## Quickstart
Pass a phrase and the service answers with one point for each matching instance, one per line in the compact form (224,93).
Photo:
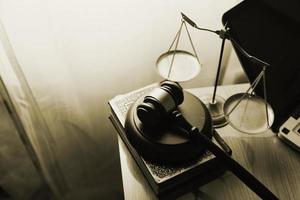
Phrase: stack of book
(165,180)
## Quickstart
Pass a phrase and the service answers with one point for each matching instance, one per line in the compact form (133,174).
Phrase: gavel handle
(246,177)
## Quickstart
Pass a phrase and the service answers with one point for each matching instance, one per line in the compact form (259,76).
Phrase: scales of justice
(238,110)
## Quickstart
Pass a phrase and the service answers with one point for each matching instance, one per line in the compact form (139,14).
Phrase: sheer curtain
(30,125)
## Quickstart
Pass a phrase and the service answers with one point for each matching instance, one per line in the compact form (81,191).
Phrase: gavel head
(159,103)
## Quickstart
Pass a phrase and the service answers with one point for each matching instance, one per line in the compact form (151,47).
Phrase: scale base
(215,110)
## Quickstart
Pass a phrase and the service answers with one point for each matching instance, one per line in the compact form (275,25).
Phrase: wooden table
(273,162)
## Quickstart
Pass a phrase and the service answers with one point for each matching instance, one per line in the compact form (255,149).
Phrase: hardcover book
(165,180)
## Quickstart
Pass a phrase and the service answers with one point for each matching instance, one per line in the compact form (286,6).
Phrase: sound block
(167,142)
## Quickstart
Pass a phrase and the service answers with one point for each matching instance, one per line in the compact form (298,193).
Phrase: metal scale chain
(176,41)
